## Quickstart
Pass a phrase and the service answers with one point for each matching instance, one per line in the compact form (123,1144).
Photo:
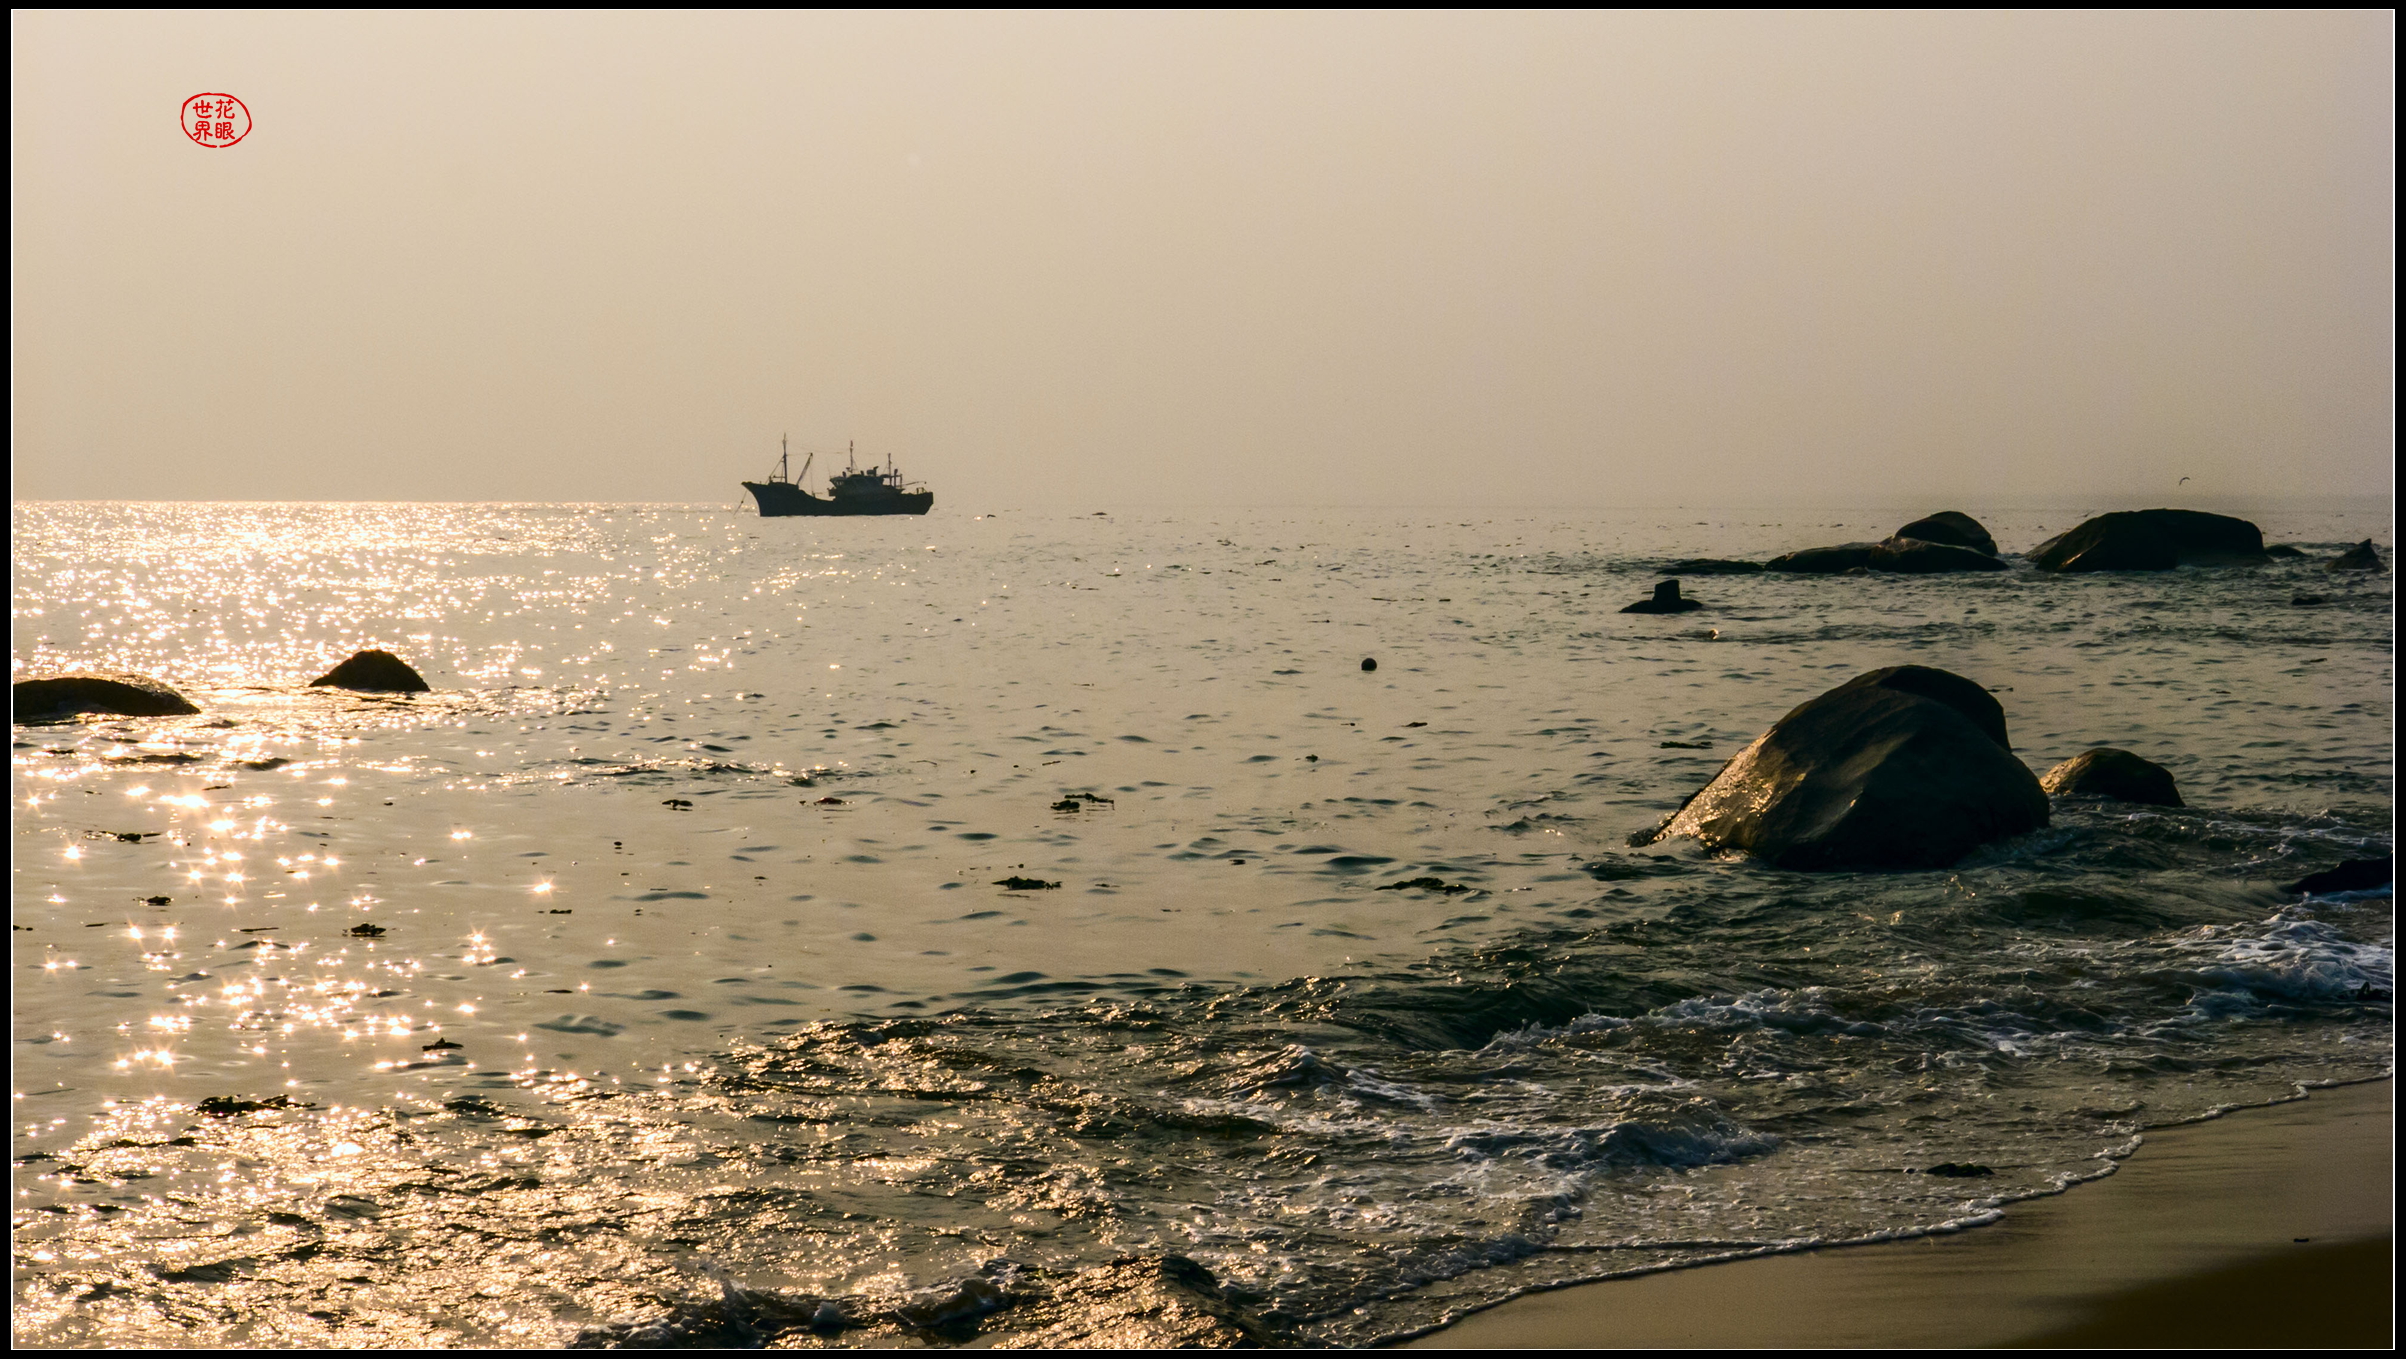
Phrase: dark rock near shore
(127,695)
(1953,528)
(1902,768)
(1711,566)
(2356,875)
(1666,600)
(376,670)
(2152,540)
(2282,550)
(2118,774)
(2362,557)
(1905,556)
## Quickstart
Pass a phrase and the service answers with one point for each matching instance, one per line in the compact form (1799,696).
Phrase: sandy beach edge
(2269,1225)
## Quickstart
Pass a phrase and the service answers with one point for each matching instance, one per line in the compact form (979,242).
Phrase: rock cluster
(1946,541)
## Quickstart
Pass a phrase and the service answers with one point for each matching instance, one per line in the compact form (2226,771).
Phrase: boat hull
(779,499)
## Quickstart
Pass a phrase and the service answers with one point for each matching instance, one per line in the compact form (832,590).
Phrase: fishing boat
(855,490)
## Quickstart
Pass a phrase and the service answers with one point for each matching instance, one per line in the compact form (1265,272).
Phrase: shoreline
(2194,1240)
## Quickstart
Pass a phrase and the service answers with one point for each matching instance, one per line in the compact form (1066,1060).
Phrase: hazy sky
(1208,259)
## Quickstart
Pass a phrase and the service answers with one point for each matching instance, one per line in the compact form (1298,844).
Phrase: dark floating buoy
(1370,663)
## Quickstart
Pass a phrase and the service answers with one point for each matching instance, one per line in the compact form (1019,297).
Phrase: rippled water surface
(666,944)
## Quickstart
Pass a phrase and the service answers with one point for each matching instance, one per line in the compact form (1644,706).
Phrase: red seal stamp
(216,121)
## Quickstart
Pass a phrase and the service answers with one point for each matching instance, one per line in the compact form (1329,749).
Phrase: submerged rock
(1141,1302)
(1711,566)
(2111,773)
(2282,550)
(2356,875)
(1953,528)
(1905,767)
(1920,557)
(375,670)
(1666,600)
(1134,1302)
(1825,561)
(2362,557)
(230,1106)
(127,695)
(2151,540)
(1906,556)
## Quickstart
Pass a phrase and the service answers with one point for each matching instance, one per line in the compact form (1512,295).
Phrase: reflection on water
(674,932)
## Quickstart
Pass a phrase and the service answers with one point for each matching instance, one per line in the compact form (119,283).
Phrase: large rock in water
(2117,774)
(1711,566)
(1905,767)
(1909,556)
(2362,557)
(2151,540)
(1952,527)
(380,670)
(128,695)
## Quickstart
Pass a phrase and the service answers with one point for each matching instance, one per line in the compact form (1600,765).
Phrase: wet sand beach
(2192,1242)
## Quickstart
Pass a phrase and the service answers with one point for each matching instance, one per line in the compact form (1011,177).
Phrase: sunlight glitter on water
(781,906)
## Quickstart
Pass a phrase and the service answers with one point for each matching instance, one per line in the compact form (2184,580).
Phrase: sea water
(672,940)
